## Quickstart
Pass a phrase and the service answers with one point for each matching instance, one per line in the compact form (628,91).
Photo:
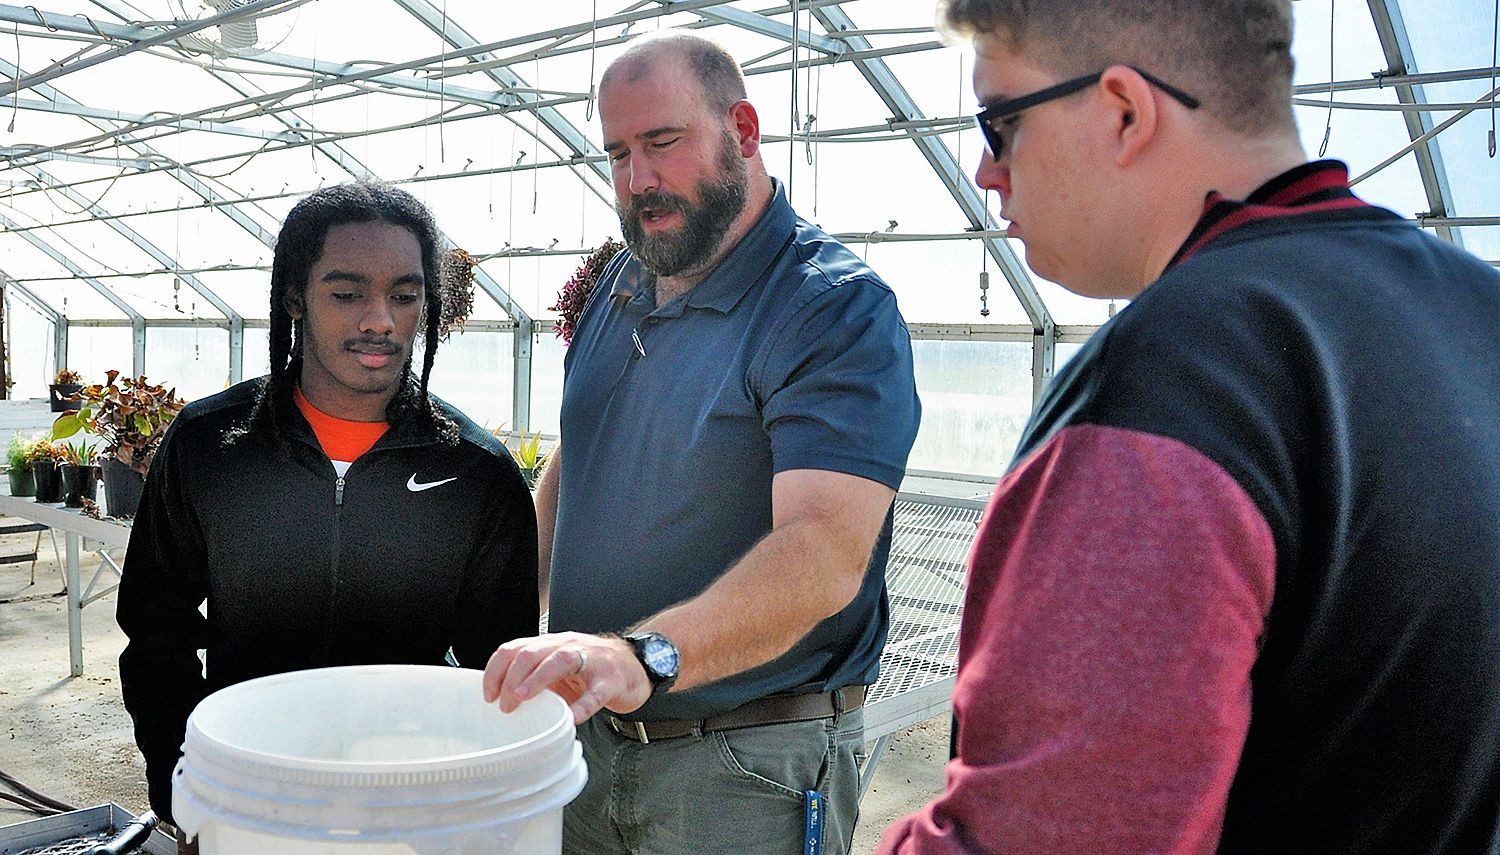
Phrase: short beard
(721,199)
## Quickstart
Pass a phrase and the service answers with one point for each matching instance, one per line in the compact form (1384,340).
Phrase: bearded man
(738,407)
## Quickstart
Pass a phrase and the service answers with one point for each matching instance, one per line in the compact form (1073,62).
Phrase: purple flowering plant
(575,292)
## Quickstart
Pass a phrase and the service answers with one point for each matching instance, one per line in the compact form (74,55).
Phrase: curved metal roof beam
(139,240)
(41,305)
(889,88)
(1391,29)
(454,34)
(67,264)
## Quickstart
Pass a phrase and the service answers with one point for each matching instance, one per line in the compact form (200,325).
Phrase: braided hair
(298,248)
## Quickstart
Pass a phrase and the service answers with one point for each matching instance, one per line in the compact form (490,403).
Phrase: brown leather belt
(773,709)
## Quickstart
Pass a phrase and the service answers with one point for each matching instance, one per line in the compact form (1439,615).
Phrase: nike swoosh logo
(416,486)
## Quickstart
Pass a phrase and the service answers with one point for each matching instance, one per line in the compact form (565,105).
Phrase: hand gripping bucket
(375,760)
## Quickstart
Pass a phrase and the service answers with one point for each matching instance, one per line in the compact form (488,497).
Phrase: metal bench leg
(867,774)
(36,550)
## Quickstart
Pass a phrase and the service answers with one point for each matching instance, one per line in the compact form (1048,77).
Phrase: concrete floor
(70,738)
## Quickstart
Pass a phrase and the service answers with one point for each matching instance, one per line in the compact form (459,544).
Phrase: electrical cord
(33,800)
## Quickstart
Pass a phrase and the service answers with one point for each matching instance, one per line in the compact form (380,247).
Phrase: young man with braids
(1240,590)
(332,513)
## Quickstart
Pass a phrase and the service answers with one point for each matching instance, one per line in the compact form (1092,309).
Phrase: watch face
(661,656)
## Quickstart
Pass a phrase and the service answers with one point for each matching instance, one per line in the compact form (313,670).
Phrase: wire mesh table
(924,581)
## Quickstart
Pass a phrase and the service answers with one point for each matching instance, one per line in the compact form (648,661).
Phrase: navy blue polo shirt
(790,355)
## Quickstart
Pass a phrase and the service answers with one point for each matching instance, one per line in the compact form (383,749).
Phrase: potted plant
(46,457)
(129,417)
(65,384)
(18,466)
(530,458)
(80,473)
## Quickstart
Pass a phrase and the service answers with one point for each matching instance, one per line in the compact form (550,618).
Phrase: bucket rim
(471,764)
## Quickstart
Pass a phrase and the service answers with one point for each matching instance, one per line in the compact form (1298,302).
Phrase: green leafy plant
(528,453)
(15,452)
(81,453)
(129,418)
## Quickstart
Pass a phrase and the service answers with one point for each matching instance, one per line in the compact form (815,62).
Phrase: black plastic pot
(79,483)
(59,393)
(122,488)
(48,481)
(22,483)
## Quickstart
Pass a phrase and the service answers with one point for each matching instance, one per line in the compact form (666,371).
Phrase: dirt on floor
(69,737)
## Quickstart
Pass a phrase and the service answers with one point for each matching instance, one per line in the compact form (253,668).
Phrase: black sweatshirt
(422,546)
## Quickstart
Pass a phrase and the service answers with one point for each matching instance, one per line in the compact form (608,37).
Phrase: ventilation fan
(245,36)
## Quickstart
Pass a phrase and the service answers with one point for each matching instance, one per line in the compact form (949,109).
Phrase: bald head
(685,56)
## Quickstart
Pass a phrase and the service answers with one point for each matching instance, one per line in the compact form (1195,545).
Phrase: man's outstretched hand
(590,672)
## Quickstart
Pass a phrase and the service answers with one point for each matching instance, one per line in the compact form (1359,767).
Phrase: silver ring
(583,660)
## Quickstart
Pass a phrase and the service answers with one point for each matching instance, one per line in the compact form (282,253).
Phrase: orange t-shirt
(342,440)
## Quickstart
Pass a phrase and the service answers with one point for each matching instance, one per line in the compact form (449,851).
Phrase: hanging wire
(588,109)
(1494,55)
(312,107)
(1328,125)
(962,97)
(443,89)
(984,262)
(15,95)
(796,124)
(536,133)
(812,151)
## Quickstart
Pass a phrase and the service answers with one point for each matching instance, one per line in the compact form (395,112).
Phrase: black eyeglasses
(991,118)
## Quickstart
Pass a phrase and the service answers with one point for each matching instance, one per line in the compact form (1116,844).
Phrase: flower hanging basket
(575,292)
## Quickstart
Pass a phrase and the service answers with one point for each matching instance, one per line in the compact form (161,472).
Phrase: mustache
(658,201)
(373,343)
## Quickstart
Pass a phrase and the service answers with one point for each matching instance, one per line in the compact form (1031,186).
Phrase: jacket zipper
(338,491)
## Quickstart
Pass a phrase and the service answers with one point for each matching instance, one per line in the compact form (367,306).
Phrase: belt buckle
(640,732)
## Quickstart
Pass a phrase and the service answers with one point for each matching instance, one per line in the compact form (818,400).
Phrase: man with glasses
(737,410)
(1240,589)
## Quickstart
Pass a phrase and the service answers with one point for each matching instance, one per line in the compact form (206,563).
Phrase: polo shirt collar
(740,270)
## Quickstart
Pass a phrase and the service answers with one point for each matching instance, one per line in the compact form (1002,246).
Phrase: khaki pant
(734,791)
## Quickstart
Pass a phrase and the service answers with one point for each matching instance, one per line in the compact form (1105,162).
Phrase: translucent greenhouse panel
(938,282)
(1473,176)
(478,18)
(547,209)
(1483,241)
(163,296)
(532,281)
(941,81)
(547,355)
(195,360)
(200,237)
(976,399)
(67,296)
(257,353)
(95,351)
(246,291)
(354,30)
(29,347)
(135,83)
(97,249)
(472,371)
(1361,138)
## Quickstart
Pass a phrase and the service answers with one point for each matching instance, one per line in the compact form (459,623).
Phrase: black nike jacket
(422,546)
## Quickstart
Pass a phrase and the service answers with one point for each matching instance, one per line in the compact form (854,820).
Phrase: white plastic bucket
(375,760)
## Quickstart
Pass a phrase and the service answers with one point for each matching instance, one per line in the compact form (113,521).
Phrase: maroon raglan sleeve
(1117,593)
